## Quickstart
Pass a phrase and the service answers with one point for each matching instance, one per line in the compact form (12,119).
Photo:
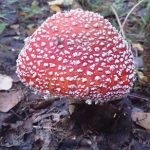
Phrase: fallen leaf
(76,5)
(142,78)
(5,82)
(30,31)
(16,28)
(141,118)
(2,27)
(55,8)
(138,47)
(61,2)
(10,99)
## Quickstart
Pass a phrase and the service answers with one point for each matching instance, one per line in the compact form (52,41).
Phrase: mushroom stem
(72,104)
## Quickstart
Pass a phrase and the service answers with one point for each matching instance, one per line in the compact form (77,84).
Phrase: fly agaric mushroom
(78,54)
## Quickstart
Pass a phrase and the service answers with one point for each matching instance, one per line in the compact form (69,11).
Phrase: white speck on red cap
(79,54)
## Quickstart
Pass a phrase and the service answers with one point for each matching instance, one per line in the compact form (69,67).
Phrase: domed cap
(79,54)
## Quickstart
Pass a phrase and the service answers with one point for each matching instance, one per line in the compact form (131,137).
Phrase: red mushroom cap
(79,54)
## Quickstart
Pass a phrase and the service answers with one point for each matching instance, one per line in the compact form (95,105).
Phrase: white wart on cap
(79,54)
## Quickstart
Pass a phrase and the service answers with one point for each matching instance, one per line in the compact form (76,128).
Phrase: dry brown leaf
(10,99)
(142,78)
(76,5)
(55,8)
(30,29)
(5,82)
(141,118)
(16,28)
(138,47)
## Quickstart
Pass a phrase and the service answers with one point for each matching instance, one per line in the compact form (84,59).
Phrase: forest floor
(32,121)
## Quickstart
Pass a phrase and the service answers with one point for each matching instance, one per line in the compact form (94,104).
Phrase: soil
(41,122)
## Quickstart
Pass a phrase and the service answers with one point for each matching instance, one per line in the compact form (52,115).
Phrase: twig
(139,97)
(118,20)
(132,9)
(20,117)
